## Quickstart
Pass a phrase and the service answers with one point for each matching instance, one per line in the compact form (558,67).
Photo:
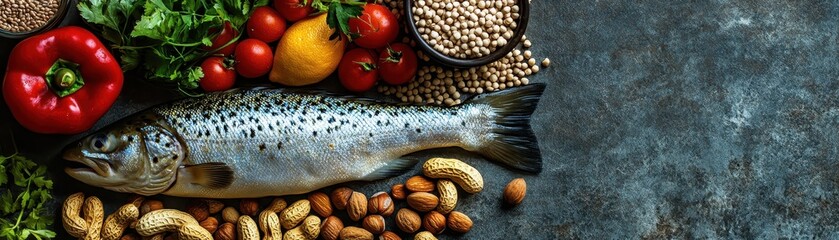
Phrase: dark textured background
(700,119)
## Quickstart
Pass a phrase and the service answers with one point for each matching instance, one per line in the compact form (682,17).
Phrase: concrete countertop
(708,119)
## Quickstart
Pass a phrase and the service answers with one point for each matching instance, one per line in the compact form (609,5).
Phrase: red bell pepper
(61,81)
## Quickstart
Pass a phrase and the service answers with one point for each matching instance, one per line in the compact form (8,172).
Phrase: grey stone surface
(693,119)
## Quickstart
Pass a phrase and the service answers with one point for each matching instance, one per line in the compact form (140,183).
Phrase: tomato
(218,75)
(357,70)
(293,10)
(398,64)
(226,35)
(375,28)
(266,24)
(253,58)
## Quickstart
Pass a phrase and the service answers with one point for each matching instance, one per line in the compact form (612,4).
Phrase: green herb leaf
(339,14)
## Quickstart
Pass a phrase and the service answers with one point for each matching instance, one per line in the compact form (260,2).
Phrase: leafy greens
(165,36)
(22,204)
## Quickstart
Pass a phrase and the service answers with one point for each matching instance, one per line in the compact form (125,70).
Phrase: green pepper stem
(64,78)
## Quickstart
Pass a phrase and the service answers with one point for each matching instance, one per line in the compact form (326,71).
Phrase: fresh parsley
(165,36)
(22,203)
(338,14)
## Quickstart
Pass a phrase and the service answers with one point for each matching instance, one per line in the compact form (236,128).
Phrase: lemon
(305,55)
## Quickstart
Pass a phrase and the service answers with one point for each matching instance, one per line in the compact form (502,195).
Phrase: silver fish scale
(286,143)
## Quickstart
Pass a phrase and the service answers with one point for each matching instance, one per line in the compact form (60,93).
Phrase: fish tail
(514,143)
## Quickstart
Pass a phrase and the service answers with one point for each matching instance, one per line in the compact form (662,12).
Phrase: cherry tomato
(218,74)
(226,34)
(266,24)
(357,70)
(293,10)
(398,64)
(375,28)
(253,58)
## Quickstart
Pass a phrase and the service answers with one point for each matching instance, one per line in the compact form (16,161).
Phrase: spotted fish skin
(250,143)
(288,143)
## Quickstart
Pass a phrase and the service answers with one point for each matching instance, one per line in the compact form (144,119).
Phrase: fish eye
(102,143)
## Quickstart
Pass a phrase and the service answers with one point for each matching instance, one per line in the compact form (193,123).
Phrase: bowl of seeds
(467,33)
(24,18)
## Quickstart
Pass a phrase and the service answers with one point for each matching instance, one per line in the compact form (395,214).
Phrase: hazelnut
(419,184)
(320,204)
(229,214)
(331,227)
(357,206)
(398,191)
(198,209)
(131,236)
(434,222)
(459,222)
(225,231)
(249,207)
(150,205)
(407,220)
(388,235)
(380,203)
(374,223)
(515,191)
(423,201)
(214,206)
(211,224)
(340,197)
(355,233)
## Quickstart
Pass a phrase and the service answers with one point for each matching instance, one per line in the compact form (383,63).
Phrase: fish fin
(212,175)
(514,144)
(393,168)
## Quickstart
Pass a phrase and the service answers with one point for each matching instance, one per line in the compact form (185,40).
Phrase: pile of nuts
(427,214)
(466,29)
(24,16)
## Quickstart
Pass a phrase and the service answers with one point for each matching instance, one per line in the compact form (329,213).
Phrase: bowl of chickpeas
(467,33)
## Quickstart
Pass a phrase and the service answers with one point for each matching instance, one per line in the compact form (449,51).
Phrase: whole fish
(268,142)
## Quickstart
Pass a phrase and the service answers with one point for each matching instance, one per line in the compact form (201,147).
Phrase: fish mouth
(87,169)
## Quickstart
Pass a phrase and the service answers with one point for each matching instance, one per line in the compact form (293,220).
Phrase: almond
(407,220)
(355,233)
(388,235)
(331,227)
(434,222)
(150,205)
(515,191)
(340,197)
(374,223)
(214,206)
(198,209)
(357,206)
(459,222)
(320,204)
(419,184)
(398,191)
(380,203)
(211,224)
(422,201)
(249,207)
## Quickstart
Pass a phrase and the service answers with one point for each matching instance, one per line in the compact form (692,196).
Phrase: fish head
(134,157)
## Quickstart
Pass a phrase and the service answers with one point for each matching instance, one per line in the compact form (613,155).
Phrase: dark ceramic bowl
(521,27)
